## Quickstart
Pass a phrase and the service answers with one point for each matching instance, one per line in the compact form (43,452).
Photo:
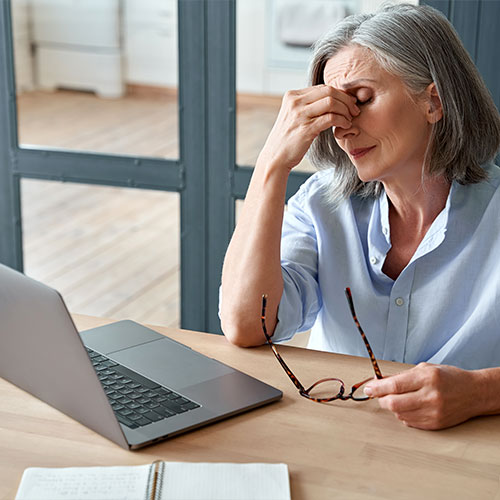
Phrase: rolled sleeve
(301,299)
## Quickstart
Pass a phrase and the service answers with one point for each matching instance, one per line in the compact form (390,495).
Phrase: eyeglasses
(326,389)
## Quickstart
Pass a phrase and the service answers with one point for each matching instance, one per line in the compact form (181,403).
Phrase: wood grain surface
(342,450)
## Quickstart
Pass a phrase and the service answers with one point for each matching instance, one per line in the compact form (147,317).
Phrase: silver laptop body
(42,353)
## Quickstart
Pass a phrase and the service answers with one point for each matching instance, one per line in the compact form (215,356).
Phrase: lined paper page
(225,481)
(84,483)
(179,481)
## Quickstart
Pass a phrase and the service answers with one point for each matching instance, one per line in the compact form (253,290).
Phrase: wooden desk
(342,450)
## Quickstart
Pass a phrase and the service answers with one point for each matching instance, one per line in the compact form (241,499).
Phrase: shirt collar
(379,233)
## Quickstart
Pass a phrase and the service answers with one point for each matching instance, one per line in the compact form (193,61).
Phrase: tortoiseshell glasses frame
(341,393)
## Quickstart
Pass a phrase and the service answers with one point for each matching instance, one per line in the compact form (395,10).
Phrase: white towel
(303,22)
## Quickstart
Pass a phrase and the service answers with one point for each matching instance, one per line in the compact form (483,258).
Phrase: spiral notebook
(158,481)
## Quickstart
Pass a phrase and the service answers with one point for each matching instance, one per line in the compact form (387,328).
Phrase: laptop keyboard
(136,400)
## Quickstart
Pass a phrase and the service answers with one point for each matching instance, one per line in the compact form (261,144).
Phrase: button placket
(397,320)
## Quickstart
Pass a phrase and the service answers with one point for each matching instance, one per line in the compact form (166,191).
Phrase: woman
(408,217)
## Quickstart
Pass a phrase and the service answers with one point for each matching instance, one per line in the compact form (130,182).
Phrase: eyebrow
(356,83)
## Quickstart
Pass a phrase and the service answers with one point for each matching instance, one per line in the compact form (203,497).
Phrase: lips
(359,152)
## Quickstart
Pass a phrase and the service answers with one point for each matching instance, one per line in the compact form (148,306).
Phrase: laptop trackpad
(170,363)
(116,336)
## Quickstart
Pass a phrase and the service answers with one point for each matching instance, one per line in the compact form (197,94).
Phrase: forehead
(352,65)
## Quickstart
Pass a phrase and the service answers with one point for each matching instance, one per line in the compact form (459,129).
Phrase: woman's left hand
(429,396)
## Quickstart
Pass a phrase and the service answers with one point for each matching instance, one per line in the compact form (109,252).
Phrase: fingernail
(357,110)
(368,391)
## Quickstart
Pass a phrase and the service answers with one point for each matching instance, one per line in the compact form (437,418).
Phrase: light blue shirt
(443,308)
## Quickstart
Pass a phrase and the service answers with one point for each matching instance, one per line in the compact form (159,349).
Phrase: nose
(346,133)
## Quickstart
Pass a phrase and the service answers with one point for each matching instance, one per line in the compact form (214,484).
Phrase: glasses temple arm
(289,372)
(376,368)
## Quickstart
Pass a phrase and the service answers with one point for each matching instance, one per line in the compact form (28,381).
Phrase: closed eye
(360,103)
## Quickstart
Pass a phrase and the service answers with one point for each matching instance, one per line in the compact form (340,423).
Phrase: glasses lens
(358,392)
(326,389)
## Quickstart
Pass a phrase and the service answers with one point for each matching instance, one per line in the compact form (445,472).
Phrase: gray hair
(420,46)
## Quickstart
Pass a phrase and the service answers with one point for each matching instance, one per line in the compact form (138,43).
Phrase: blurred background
(102,76)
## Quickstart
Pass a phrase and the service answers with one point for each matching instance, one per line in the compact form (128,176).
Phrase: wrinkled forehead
(350,66)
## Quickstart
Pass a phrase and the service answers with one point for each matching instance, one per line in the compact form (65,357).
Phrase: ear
(434,108)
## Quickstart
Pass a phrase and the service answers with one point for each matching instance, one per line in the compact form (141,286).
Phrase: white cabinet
(78,45)
(81,23)
(150,42)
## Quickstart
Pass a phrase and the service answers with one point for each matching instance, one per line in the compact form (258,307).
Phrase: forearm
(252,263)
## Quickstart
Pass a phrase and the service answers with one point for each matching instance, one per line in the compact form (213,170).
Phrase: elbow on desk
(241,333)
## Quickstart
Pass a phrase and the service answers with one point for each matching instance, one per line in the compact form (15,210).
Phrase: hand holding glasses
(327,389)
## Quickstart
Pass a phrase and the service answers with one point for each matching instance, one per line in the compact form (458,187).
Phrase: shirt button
(373,260)
(399,301)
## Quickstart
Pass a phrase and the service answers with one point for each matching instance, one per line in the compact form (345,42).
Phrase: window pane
(114,253)
(273,54)
(99,75)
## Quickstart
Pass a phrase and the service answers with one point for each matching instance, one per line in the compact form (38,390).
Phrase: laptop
(123,380)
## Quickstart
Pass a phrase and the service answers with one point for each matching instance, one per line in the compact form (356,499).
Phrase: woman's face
(388,139)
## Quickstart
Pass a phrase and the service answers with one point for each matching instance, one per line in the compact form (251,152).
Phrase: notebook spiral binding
(155,480)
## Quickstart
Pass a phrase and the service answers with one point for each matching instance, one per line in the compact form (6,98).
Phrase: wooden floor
(138,124)
(113,252)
